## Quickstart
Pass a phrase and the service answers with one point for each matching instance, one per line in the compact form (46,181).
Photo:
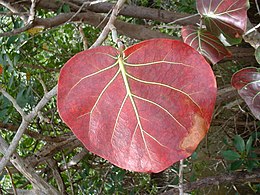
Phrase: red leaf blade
(142,111)
(247,82)
(204,42)
(225,19)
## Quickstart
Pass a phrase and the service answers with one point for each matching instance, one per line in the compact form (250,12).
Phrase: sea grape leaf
(143,109)
(225,19)
(247,82)
(204,42)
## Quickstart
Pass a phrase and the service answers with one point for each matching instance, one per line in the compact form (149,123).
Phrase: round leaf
(247,82)
(225,19)
(204,42)
(143,109)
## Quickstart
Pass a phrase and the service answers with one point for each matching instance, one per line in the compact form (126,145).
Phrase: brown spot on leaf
(196,134)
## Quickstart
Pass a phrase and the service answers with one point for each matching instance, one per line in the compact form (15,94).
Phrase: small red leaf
(247,82)
(204,42)
(225,19)
(143,110)
(1,69)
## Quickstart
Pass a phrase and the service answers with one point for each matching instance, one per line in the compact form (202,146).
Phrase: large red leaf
(142,110)
(204,42)
(225,19)
(247,82)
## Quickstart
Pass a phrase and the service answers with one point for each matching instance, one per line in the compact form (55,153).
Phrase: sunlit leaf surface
(247,82)
(225,19)
(204,42)
(142,110)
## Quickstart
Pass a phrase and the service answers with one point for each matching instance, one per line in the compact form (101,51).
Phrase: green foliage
(242,154)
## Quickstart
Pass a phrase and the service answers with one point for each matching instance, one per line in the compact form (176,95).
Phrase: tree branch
(32,12)
(75,159)
(111,21)
(127,10)
(25,122)
(50,149)
(39,184)
(181,166)
(234,177)
(57,176)
(14,8)
(13,101)
(35,135)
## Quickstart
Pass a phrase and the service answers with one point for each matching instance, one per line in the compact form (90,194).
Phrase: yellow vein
(254,98)
(118,114)
(124,74)
(104,89)
(157,62)
(158,105)
(134,134)
(215,10)
(193,39)
(90,75)
(80,116)
(155,140)
(106,54)
(136,51)
(164,85)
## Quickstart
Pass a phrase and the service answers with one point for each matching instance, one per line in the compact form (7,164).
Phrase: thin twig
(13,14)
(184,18)
(56,174)
(111,20)
(226,178)
(17,31)
(15,104)
(257,7)
(181,177)
(13,9)
(83,36)
(32,12)
(253,29)
(79,10)
(39,184)
(69,175)
(115,38)
(75,160)
(26,119)
(12,180)
(43,84)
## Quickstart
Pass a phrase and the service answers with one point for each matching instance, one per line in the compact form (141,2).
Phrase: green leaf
(66,8)
(194,156)
(249,144)
(230,155)
(250,165)
(239,143)
(236,165)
